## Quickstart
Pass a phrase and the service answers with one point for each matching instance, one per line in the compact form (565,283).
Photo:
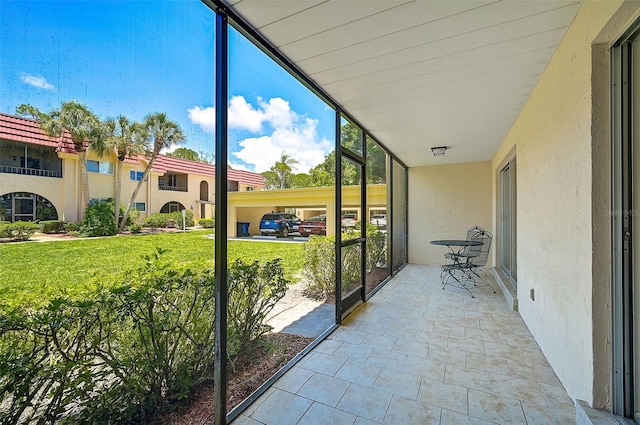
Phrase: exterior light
(439,151)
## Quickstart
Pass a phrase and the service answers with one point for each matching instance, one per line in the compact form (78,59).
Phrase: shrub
(206,222)
(319,267)
(99,220)
(135,228)
(253,292)
(116,354)
(18,231)
(168,220)
(71,226)
(52,226)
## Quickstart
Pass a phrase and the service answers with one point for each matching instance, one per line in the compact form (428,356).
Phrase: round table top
(456,242)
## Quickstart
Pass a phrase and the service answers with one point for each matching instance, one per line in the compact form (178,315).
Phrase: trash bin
(243,228)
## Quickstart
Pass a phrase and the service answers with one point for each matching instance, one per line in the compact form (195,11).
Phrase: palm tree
(125,139)
(84,127)
(159,131)
(283,168)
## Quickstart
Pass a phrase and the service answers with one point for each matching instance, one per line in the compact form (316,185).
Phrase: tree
(283,169)
(158,132)
(125,139)
(84,127)
(271,180)
(186,153)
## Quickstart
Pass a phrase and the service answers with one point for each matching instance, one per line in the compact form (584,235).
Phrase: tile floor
(417,354)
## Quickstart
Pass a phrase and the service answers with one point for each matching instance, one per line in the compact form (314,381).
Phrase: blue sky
(139,57)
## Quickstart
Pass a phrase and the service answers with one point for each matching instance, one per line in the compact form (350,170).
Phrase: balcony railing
(30,171)
(163,186)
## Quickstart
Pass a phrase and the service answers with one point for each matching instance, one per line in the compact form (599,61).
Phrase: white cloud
(37,81)
(290,133)
(205,118)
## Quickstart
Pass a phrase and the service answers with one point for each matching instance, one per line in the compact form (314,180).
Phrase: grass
(34,272)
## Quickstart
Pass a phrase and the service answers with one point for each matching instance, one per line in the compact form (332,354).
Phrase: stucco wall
(445,201)
(553,140)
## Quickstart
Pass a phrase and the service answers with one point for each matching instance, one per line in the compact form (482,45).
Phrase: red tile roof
(26,130)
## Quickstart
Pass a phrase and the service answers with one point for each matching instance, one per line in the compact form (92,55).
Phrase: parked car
(279,223)
(349,221)
(316,225)
(379,220)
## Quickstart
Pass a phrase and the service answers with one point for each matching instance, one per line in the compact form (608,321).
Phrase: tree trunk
(117,190)
(132,201)
(84,182)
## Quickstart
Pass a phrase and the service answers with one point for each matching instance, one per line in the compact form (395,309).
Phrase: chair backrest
(482,258)
(472,234)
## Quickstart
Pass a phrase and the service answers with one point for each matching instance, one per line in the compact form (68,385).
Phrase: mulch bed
(248,372)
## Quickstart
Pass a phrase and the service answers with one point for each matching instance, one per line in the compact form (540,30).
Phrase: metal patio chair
(466,252)
(468,266)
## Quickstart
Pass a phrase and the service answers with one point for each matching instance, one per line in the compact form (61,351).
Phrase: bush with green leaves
(320,259)
(52,226)
(19,230)
(168,220)
(254,290)
(207,223)
(128,347)
(99,220)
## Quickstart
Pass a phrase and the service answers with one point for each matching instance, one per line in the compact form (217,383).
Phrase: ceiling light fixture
(439,151)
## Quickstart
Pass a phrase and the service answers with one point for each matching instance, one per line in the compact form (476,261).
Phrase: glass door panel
(352,219)
(24,208)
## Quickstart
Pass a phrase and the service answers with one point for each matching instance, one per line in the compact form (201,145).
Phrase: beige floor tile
(464,344)
(491,407)
(357,353)
(447,355)
(540,415)
(521,389)
(447,396)
(370,403)
(488,362)
(465,377)
(321,414)
(281,408)
(328,346)
(324,389)
(294,379)
(411,347)
(411,412)
(323,363)
(417,354)
(387,360)
(348,335)
(245,420)
(359,373)
(556,397)
(399,383)
(449,417)
(541,373)
(379,342)
(424,368)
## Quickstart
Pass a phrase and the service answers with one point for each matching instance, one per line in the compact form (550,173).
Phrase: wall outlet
(532,294)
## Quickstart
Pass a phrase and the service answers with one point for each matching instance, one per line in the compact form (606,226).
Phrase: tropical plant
(159,132)
(283,168)
(84,127)
(123,137)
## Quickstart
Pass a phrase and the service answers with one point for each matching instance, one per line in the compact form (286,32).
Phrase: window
(101,167)
(141,206)
(172,180)
(136,175)
(250,189)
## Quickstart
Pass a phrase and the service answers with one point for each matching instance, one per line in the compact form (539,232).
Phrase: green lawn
(40,270)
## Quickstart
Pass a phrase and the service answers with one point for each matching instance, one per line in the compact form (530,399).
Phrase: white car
(379,220)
